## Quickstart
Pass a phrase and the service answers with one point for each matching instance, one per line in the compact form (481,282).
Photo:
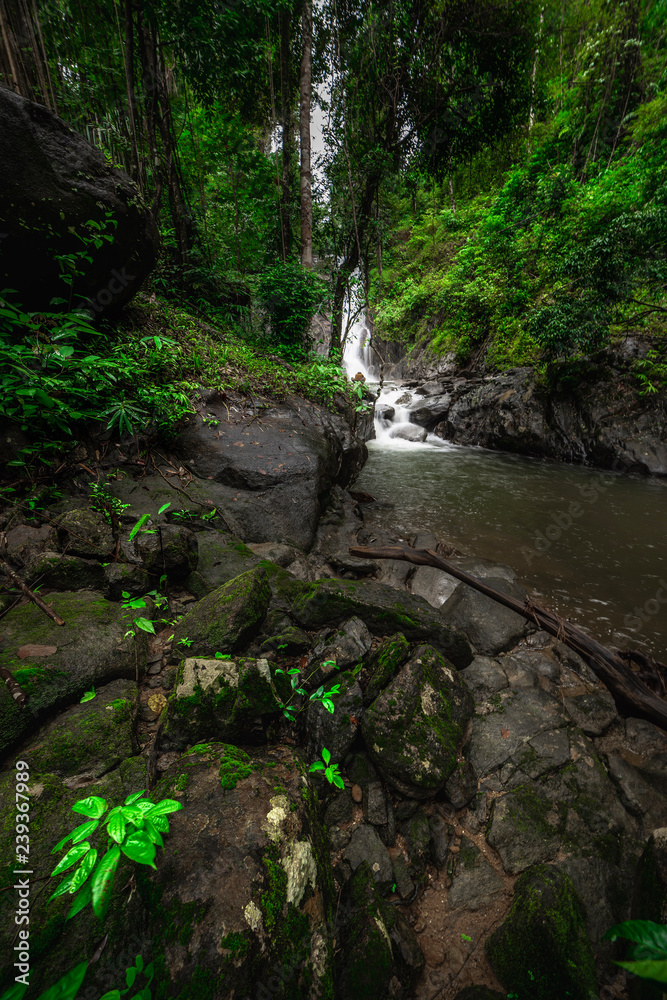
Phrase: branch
(18,582)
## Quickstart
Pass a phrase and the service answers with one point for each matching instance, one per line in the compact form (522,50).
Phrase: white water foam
(397,431)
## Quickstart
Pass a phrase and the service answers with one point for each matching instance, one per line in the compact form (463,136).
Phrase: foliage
(69,985)
(291,295)
(331,771)
(648,955)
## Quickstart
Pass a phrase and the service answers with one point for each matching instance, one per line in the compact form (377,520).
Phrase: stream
(588,543)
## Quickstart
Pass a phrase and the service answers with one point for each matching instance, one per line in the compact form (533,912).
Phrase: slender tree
(285,21)
(304,107)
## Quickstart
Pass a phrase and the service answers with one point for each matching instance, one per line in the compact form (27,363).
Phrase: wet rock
(346,646)
(25,541)
(53,183)
(439,839)
(485,677)
(219,700)
(220,558)
(384,412)
(120,578)
(593,713)
(475,882)
(408,432)
(638,797)
(430,411)
(92,649)
(335,731)
(366,847)
(644,737)
(383,663)
(490,627)
(63,572)
(542,949)
(86,533)
(461,786)
(434,585)
(403,399)
(430,388)
(340,809)
(528,666)
(525,827)
(417,835)
(382,609)
(413,729)
(405,887)
(379,953)
(375,804)
(227,618)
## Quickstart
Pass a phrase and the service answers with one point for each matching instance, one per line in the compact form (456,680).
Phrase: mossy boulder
(382,664)
(92,649)
(414,729)
(221,558)
(89,739)
(64,572)
(125,578)
(85,532)
(243,895)
(542,951)
(57,946)
(229,617)
(383,610)
(220,699)
(377,945)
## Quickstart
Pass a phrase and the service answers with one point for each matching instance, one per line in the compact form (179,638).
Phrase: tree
(304,107)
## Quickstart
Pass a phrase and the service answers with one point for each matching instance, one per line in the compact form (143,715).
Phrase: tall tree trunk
(304,104)
(131,87)
(286,115)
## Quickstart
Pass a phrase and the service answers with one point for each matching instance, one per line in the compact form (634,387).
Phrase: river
(589,544)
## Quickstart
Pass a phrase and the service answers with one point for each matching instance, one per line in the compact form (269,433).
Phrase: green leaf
(138,526)
(88,696)
(93,806)
(338,781)
(317,766)
(154,834)
(103,880)
(77,834)
(644,932)
(145,625)
(647,969)
(84,870)
(80,901)
(14,992)
(116,826)
(130,976)
(161,511)
(139,962)
(164,807)
(67,987)
(112,995)
(329,705)
(139,847)
(134,797)
(160,823)
(71,858)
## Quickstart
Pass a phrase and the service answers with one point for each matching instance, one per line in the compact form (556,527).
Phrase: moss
(528,811)
(181,783)
(236,944)
(235,766)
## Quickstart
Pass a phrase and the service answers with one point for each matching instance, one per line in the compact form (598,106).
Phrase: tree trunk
(305,93)
(285,112)
(131,87)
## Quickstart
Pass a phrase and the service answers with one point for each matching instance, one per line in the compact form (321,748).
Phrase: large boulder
(53,184)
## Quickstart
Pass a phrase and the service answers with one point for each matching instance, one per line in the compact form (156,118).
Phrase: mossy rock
(220,699)
(376,944)
(542,951)
(261,909)
(229,617)
(383,663)
(57,946)
(383,610)
(92,649)
(90,739)
(65,572)
(414,729)
(479,993)
(221,558)
(86,533)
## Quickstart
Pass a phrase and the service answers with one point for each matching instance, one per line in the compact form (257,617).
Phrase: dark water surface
(590,544)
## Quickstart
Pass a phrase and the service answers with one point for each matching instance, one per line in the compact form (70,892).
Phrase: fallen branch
(611,667)
(18,582)
(15,689)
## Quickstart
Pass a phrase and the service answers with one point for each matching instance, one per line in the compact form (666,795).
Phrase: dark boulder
(53,186)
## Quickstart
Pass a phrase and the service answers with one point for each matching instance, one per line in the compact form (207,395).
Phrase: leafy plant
(648,955)
(331,771)
(291,295)
(133,829)
(87,696)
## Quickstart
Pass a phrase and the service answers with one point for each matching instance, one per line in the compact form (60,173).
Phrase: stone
(170,549)
(229,617)
(434,585)
(405,887)
(366,847)
(219,700)
(413,729)
(485,677)
(346,646)
(593,712)
(384,612)
(335,730)
(63,572)
(120,578)
(490,627)
(542,950)
(638,797)
(375,804)
(340,809)
(52,183)
(430,411)
(357,793)
(25,541)
(439,839)
(383,663)
(385,412)
(475,883)
(86,533)
(461,786)
(408,432)
(651,884)
(221,558)
(92,650)
(417,834)
(524,827)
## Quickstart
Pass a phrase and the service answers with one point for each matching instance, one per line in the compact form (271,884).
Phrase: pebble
(357,793)
(155,668)
(147,714)
(434,951)
(454,848)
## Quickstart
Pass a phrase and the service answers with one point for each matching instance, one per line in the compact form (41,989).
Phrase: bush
(291,295)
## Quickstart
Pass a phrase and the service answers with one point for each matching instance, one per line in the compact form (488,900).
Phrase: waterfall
(358,353)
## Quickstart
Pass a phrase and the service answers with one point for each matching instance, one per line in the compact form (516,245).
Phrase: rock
(475,883)
(461,786)
(366,847)
(92,650)
(479,993)
(485,677)
(417,834)
(280,468)
(335,731)
(403,399)
(357,793)
(377,945)
(52,183)
(430,411)
(430,388)
(340,808)
(63,572)
(228,618)
(170,549)
(122,578)
(219,700)
(265,899)
(638,797)
(413,729)
(382,665)
(491,627)
(408,432)
(283,636)
(405,887)
(275,552)
(650,901)
(375,804)
(385,412)
(89,739)
(382,609)
(86,533)
(525,827)
(593,712)
(345,647)
(25,541)
(434,585)
(644,737)
(439,839)
(220,558)
(542,949)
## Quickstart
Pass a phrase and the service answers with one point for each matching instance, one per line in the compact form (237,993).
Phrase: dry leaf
(156,702)
(504,733)
(31,649)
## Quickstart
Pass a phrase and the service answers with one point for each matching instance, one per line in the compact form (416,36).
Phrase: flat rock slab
(222,557)
(491,627)
(383,610)
(474,880)
(92,650)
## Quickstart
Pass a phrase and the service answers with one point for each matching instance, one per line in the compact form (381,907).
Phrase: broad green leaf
(112,995)
(14,992)
(77,834)
(134,797)
(326,756)
(317,766)
(338,781)
(103,880)
(84,870)
(164,507)
(80,901)
(138,526)
(647,969)
(644,932)
(116,827)
(145,625)
(139,847)
(154,834)
(88,696)
(139,962)
(93,806)
(63,887)
(73,855)
(161,823)
(67,987)
(329,705)
(130,976)
(166,806)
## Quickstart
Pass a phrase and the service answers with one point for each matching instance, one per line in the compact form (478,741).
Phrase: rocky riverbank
(497,814)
